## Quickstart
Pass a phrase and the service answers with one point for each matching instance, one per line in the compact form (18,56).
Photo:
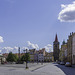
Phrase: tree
(11,57)
(23,58)
(15,57)
(27,58)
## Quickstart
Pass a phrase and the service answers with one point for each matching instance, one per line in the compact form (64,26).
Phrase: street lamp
(26,58)
(37,57)
(19,54)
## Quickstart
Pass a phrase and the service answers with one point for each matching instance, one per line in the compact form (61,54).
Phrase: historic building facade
(71,48)
(32,54)
(2,59)
(41,55)
(56,49)
(48,57)
(63,52)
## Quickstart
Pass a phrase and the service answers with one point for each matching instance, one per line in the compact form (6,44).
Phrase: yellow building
(32,57)
(32,53)
(63,53)
(48,57)
(71,48)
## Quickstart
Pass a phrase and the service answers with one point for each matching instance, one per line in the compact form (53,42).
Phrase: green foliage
(23,58)
(27,57)
(15,57)
(11,57)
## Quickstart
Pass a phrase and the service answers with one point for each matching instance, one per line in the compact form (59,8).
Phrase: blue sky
(33,20)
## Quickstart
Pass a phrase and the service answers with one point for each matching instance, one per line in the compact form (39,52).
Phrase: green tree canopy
(23,58)
(11,57)
(15,57)
(27,57)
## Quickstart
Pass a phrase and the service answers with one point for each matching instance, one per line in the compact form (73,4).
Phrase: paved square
(36,69)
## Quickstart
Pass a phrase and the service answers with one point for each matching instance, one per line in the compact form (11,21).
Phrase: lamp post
(37,58)
(26,61)
(19,54)
(26,58)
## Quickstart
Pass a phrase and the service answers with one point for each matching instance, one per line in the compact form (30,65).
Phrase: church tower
(56,48)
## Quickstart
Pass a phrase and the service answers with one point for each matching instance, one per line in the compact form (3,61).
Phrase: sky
(34,23)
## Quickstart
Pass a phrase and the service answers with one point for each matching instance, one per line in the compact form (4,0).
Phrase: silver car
(68,64)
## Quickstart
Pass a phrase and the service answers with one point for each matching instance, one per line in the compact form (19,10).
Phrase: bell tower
(56,48)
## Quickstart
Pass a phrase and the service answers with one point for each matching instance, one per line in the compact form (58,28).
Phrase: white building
(2,59)
(40,57)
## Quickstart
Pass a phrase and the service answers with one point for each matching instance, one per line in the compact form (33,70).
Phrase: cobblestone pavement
(36,69)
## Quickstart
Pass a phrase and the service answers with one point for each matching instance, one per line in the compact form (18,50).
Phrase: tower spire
(56,38)
(56,49)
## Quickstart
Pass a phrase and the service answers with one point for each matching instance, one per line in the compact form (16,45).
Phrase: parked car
(68,64)
(62,63)
(58,62)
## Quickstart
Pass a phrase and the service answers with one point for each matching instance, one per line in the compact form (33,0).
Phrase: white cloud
(67,14)
(9,49)
(6,49)
(1,39)
(24,48)
(49,45)
(48,48)
(63,6)
(15,50)
(32,46)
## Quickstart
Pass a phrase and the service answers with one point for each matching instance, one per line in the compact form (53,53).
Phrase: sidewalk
(37,66)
